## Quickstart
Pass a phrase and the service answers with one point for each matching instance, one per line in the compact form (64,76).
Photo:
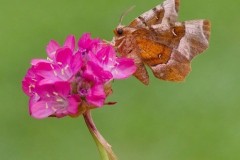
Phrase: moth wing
(196,38)
(194,42)
(154,50)
(163,13)
(177,68)
(141,72)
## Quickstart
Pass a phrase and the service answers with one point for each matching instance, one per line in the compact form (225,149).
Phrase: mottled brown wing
(167,12)
(155,38)
(194,42)
(154,48)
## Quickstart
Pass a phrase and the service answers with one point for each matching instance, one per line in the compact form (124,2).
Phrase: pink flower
(71,78)
(54,100)
(105,56)
(65,67)
(120,68)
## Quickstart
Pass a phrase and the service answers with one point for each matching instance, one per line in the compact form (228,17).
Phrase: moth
(158,40)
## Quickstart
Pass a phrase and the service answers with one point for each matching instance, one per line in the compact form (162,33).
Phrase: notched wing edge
(207,28)
(196,38)
(165,12)
(193,43)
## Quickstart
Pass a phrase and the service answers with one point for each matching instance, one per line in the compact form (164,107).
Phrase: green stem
(104,148)
(101,149)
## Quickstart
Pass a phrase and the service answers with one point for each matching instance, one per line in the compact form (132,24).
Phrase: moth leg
(142,74)
(112,43)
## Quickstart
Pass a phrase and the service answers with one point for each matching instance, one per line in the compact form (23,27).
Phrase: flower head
(71,78)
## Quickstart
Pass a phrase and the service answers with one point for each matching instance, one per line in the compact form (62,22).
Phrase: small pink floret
(54,100)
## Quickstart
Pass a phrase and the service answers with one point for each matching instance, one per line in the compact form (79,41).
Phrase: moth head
(120,30)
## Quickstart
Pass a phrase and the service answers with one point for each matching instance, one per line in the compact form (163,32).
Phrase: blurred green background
(195,120)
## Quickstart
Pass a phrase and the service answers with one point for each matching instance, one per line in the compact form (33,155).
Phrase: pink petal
(40,110)
(96,96)
(36,61)
(73,102)
(96,73)
(107,55)
(70,42)
(28,86)
(33,99)
(53,73)
(93,58)
(71,109)
(48,72)
(76,62)
(52,47)
(64,55)
(45,90)
(125,67)
(84,41)
(62,88)
(29,82)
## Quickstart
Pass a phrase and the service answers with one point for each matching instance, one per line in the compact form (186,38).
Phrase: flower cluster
(73,79)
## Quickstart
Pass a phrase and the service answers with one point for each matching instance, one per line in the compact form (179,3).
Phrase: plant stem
(104,148)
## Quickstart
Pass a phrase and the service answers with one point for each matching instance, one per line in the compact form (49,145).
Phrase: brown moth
(156,39)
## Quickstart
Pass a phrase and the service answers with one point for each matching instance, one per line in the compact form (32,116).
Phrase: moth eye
(119,31)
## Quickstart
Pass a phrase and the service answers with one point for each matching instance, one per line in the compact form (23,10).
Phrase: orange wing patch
(153,53)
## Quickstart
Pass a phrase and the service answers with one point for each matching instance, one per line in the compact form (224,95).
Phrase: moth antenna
(125,13)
